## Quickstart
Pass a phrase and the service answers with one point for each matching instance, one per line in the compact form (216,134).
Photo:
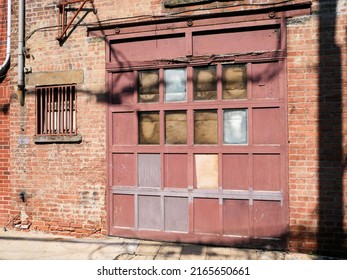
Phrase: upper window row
(234,84)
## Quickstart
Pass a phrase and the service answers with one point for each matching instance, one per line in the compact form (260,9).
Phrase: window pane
(149,128)
(234,82)
(56,110)
(206,168)
(205,127)
(235,126)
(149,86)
(176,127)
(205,83)
(175,84)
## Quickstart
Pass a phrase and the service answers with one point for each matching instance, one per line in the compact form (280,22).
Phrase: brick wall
(317,109)
(65,183)
(5,205)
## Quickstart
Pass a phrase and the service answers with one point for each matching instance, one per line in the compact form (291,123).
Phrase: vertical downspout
(3,67)
(21,86)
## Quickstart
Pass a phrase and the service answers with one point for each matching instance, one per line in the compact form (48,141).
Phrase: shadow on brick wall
(330,237)
(332,161)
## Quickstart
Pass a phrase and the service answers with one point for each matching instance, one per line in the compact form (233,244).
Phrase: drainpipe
(21,86)
(3,67)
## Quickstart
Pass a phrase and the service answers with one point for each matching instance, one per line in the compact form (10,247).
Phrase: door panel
(267,219)
(267,172)
(123,170)
(123,128)
(236,172)
(206,216)
(267,123)
(176,214)
(236,217)
(176,170)
(123,210)
(149,210)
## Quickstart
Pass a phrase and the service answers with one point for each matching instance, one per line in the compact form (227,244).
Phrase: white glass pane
(175,84)
(235,126)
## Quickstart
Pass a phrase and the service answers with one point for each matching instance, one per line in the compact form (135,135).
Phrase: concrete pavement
(18,245)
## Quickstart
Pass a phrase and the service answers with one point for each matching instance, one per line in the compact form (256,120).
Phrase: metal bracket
(63,23)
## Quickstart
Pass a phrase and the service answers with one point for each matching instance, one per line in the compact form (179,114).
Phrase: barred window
(56,110)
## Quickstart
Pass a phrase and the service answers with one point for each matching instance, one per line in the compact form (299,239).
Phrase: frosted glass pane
(175,84)
(235,126)
(149,86)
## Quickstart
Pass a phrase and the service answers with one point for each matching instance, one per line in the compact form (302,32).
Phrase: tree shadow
(330,236)
(332,161)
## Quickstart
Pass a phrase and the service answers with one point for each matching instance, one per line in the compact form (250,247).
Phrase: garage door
(197,147)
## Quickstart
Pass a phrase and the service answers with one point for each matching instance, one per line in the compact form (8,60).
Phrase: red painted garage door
(197,147)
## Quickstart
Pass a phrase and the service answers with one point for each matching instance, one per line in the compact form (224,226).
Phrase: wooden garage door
(197,153)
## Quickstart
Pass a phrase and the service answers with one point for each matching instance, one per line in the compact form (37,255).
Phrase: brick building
(194,121)
(5,200)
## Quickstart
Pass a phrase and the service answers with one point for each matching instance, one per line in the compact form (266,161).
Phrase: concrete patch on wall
(176,3)
(55,78)
(299,20)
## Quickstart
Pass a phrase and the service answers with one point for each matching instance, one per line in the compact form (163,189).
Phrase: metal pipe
(21,86)
(3,67)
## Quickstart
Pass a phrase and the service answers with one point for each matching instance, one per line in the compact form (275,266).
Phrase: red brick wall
(317,114)
(66,183)
(5,205)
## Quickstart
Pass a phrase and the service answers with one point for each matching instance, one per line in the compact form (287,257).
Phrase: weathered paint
(206,167)
(192,181)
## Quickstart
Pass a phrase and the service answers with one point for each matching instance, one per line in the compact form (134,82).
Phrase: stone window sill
(50,139)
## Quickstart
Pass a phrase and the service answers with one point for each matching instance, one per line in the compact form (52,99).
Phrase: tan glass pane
(206,168)
(149,86)
(149,128)
(205,83)
(234,82)
(176,127)
(205,127)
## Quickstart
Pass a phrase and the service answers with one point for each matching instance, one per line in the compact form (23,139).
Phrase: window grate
(56,110)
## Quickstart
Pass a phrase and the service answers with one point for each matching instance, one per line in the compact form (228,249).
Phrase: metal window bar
(56,110)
